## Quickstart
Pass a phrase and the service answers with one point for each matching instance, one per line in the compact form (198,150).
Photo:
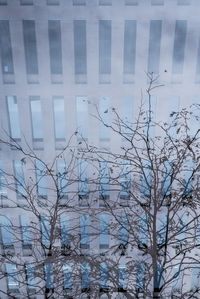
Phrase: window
(12,276)
(157,2)
(104,231)
(127,116)
(67,276)
(105,2)
(173,109)
(59,118)
(104,47)
(158,282)
(140,277)
(84,231)
(25,231)
(146,181)
(79,2)
(62,177)
(82,117)
(195,278)
(177,281)
(19,178)
(30,47)
(3,2)
(36,116)
(3,188)
(188,179)
(48,270)
(6,48)
(26,2)
(131,2)
(45,230)
(41,179)
(162,229)
(104,112)
(80,47)
(154,46)
(143,232)
(30,276)
(52,2)
(179,46)
(183,2)
(55,47)
(104,283)
(125,180)
(167,178)
(123,232)
(83,187)
(182,231)
(6,232)
(104,179)
(13,117)
(151,104)
(85,277)
(122,278)
(65,231)
(129,46)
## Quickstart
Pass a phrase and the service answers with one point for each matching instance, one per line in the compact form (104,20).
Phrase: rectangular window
(167,179)
(104,282)
(85,277)
(122,278)
(45,230)
(6,48)
(59,118)
(177,279)
(140,277)
(80,47)
(173,109)
(25,231)
(79,2)
(127,116)
(26,2)
(13,117)
(82,117)
(48,270)
(67,276)
(162,229)
(41,179)
(65,231)
(182,231)
(105,2)
(104,231)
(83,187)
(157,2)
(195,278)
(158,281)
(62,177)
(19,178)
(30,276)
(6,231)
(12,276)
(36,116)
(104,180)
(183,2)
(104,47)
(188,178)
(104,114)
(30,47)
(84,231)
(3,2)
(154,46)
(146,182)
(125,180)
(143,231)
(123,231)
(3,184)
(55,46)
(131,2)
(129,46)
(179,46)
(53,2)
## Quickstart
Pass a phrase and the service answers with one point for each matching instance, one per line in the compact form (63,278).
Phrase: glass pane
(104,179)
(167,178)
(85,276)
(84,231)
(104,111)
(59,118)
(6,48)
(45,230)
(154,46)
(125,180)
(122,277)
(6,231)
(146,181)
(26,2)
(104,231)
(13,117)
(104,47)
(55,47)
(67,275)
(30,47)
(48,268)
(105,2)
(62,177)
(129,46)
(104,283)
(127,116)
(179,46)
(140,276)
(79,2)
(25,227)
(65,230)
(13,282)
(19,178)
(123,230)
(162,228)
(83,188)
(41,179)
(143,231)
(195,277)
(82,117)
(30,276)
(3,188)
(80,47)
(188,178)
(36,115)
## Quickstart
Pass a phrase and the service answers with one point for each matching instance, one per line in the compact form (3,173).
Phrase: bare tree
(129,227)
